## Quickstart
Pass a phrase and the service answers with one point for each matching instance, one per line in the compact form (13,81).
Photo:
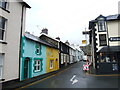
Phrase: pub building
(105,42)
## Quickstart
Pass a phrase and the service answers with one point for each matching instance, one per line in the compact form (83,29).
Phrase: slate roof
(113,17)
(37,39)
(107,18)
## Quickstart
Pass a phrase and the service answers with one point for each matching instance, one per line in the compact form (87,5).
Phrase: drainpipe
(21,38)
(107,34)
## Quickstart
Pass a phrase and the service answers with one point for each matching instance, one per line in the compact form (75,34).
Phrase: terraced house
(12,27)
(105,41)
(52,53)
(33,57)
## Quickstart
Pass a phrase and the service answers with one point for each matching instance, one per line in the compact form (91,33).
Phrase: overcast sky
(66,18)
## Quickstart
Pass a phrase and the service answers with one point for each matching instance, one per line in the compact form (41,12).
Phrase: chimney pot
(45,30)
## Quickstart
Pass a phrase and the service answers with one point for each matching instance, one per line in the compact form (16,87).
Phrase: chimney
(67,43)
(45,30)
(58,38)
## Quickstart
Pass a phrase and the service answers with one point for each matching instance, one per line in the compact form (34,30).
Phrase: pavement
(17,84)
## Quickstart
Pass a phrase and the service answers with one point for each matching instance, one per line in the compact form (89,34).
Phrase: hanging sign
(114,38)
(83,41)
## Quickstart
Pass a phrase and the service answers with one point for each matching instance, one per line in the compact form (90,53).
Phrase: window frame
(3,28)
(101,40)
(1,65)
(51,64)
(38,49)
(4,4)
(101,26)
(36,64)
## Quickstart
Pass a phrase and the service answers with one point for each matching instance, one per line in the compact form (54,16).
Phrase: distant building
(105,42)
(12,27)
(64,54)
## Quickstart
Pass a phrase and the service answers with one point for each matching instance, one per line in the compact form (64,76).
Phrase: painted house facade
(52,53)
(72,54)
(52,59)
(12,27)
(33,57)
(77,54)
(64,54)
(105,41)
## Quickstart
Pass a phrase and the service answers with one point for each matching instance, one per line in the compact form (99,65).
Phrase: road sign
(85,67)
(83,41)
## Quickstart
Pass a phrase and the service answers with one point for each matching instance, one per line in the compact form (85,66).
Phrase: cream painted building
(12,27)
(105,41)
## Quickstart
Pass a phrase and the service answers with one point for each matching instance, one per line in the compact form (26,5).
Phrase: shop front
(108,60)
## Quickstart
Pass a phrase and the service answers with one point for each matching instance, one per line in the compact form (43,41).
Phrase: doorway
(26,68)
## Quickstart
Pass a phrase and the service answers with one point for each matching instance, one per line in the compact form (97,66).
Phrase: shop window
(102,38)
(37,65)
(101,26)
(114,67)
(51,64)
(2,28)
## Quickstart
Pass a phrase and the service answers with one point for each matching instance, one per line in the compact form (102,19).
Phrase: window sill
(5,10)
(102,45)
(2,79)
(37,71)
(102,31)
(3,42)
(51,68)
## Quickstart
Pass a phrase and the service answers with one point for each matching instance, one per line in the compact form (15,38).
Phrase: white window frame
(51,64)
(101,26)
(3,29)
(1,65)
(62,58)
(37,64)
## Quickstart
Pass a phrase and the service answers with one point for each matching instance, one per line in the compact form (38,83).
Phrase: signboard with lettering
(114,38)
(83,41)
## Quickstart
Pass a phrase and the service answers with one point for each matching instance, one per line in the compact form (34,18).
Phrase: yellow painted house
(52,59)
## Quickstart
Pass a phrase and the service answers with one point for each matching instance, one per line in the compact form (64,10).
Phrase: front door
(26,68)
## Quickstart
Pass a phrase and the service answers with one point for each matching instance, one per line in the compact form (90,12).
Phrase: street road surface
(74,77)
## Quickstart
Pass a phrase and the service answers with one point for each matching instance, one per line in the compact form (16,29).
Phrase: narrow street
(73,77)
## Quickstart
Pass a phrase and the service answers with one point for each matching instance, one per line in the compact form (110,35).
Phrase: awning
(110,49)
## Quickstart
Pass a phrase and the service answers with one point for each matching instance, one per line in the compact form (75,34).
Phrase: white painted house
(12,27)
(105,41)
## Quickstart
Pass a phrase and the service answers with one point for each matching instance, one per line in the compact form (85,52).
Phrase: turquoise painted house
(33,57)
